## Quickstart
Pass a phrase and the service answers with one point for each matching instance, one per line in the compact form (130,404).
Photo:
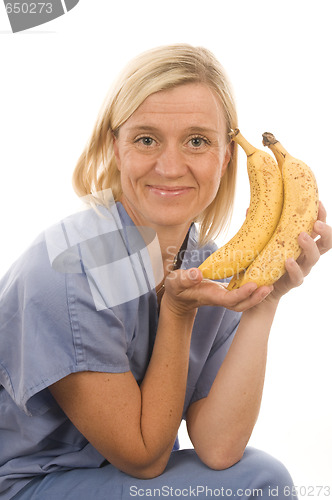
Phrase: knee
(270,474)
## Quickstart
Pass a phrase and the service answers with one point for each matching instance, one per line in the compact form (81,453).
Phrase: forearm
(164,386)
(221,424)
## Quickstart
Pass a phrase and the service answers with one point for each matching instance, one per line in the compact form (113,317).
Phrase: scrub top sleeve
(49,328)
(217,354)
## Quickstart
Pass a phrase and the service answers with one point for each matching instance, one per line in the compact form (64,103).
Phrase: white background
(278,57)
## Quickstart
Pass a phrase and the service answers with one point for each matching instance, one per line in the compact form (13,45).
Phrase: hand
(313,246)
(186,290)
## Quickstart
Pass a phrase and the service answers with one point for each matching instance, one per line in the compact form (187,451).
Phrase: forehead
(193,102)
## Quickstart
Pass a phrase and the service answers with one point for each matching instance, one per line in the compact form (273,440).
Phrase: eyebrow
(143,128)
(192,130)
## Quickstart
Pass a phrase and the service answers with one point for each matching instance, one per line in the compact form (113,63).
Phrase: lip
(169,191)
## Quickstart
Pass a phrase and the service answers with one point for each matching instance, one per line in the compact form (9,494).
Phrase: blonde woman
(109,335)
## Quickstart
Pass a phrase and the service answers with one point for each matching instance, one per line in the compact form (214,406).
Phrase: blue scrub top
(82,298)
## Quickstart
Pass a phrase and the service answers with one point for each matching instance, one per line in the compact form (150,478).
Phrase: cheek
(209,176)
(211,169)
(133,165)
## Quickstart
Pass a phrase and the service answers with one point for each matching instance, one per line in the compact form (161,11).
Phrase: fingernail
(319,225)
(322,206)
(193,274)
(266,293)
(252,287)
(305,236)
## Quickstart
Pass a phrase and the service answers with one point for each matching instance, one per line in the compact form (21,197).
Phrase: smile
(169,191)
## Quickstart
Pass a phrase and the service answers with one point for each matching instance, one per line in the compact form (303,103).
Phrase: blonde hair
(158,69)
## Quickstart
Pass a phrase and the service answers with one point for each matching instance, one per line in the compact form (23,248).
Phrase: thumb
(183,279)
(191,277)
(194,274)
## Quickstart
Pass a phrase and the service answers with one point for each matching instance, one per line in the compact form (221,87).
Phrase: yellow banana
(299,214)
(266,198)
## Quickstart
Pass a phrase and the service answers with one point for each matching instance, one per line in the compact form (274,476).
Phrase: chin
(168,220)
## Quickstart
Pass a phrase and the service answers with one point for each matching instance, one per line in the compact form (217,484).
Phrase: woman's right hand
(186,290)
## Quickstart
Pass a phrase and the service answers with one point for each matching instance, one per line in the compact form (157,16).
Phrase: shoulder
(38,278)
(32,271)
(57,251)
(49,322)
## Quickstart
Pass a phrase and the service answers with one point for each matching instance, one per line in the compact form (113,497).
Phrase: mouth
(169,191)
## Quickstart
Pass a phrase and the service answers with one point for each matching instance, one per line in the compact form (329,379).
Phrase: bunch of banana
(266,200)
(299,213)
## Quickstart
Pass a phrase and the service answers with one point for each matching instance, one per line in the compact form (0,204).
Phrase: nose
(171,162)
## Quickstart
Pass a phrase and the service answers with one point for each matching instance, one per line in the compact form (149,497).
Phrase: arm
(221,424)
(134,427)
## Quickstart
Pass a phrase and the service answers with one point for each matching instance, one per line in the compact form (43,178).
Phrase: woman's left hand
(313,246)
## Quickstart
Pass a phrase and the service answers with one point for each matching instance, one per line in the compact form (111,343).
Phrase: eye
(198,142)
(145,141)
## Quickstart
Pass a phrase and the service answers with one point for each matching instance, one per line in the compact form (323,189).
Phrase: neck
(170,241)
(170,237)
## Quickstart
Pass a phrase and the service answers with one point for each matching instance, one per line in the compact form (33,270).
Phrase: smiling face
(172,153)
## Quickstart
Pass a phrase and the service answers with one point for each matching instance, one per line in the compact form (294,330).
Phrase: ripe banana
(266,200)
(299,214)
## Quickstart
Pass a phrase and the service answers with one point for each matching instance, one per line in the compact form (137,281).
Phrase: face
(171,154)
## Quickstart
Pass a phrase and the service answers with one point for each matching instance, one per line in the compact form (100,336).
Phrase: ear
(227,157)
(116,151)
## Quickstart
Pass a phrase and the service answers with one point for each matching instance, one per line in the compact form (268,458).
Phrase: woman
(109,334)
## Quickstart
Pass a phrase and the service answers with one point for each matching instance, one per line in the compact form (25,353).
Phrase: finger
(254,299)
(310,253)
(233,298)
(295,274)
(214,293)
(324,231)
(322,214)
(247,296)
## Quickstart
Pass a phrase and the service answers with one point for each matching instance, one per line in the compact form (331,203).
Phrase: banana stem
(278,150)
(269,139)
(237,137)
